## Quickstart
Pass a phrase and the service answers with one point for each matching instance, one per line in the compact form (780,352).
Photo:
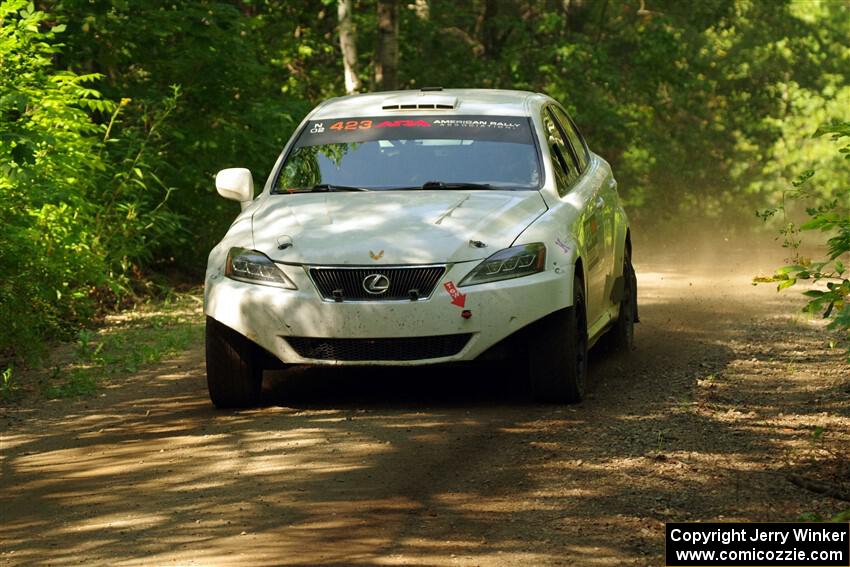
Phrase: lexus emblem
(376,284)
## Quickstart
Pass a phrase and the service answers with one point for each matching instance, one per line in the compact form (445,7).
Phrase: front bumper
(270,316)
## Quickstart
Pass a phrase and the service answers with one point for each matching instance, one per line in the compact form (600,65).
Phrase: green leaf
(786,283)
(817,222)
(788,269)
(803,177)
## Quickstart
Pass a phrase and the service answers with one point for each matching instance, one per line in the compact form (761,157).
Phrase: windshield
(413,152)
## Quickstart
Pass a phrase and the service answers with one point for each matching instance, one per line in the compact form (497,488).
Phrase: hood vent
(417,107)
(424,101)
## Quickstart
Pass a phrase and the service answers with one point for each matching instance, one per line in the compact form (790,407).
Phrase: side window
(575,138)
(567,143)
(565,167)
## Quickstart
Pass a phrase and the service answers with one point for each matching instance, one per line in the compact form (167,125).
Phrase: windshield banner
(514,129)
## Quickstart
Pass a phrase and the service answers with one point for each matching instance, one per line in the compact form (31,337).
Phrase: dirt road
(727,394)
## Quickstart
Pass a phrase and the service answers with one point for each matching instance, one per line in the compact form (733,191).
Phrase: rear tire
(621,336)
(558,354)
(234,372)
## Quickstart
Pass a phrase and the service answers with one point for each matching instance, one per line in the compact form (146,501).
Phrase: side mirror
(235,183)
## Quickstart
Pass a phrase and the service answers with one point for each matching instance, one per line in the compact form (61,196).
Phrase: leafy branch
(832,217)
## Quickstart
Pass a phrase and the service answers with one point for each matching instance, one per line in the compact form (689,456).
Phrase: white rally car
(423,227)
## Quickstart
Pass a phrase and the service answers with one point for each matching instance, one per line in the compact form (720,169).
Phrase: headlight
(509,263)
(255,267)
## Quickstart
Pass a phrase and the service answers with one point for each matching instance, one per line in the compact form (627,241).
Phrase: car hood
(392,228)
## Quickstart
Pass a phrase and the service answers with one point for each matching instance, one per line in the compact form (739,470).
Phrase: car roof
(494,102)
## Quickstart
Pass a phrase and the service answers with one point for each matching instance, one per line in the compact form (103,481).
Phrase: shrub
(79,208)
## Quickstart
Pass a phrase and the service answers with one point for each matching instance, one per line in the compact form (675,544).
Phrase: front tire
(234,372)
(558,354)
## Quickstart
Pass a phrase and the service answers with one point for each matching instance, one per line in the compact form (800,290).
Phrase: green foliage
(7,383)
(142,337)
(840,517)
(831,217)
(232,63)
(48,160)
(80,209)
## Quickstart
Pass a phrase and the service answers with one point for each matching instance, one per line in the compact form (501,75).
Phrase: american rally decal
(364,129)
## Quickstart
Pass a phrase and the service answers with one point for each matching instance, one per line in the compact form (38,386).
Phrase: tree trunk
(386,54)
(348,45)
(575,14)
(491,29)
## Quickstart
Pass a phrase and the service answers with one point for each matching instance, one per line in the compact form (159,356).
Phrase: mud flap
(617,291)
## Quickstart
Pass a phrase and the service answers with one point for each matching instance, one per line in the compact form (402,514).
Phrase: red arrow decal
(458,298)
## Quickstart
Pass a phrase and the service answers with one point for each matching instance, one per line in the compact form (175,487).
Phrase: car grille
(347,284)
(405,348)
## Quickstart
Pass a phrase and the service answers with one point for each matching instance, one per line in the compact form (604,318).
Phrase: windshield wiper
(321,188)
(330,187)
(444,185)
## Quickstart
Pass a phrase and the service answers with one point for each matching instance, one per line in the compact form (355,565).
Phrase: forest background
(116,114)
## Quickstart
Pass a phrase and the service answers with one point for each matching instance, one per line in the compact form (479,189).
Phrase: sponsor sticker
(458,298)
(516,129)
(560,244)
